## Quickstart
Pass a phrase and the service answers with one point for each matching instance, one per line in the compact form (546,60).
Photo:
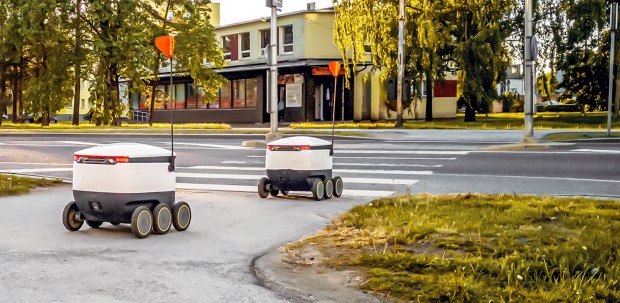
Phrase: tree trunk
(15,96)
(78,65)
(470,111)
(156,55)
(429,95)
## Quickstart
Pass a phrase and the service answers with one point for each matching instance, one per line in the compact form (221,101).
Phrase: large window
(179,96)
(245,45)
(251,91)
(225,95)
(265,40)
(239,93)
(287,39)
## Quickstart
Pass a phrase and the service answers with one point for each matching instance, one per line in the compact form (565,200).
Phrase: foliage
(586,78)
(508,99)
(115,42)
(475,247)
(15,185)
(545,86)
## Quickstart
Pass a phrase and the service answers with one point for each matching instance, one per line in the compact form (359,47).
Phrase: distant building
(305,85)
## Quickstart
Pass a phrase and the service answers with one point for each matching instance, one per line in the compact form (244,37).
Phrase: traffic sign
(166,45)
(334,67)
(274,3)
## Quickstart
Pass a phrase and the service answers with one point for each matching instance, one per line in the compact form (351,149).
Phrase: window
(226,45)
(265,40)
(179,96)
(287,39)
(225,95)
(239,93)
(245,45)
(251,91)
(160,97)
(83,103)
(70,104)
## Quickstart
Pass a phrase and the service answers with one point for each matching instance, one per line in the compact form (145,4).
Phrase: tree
(480,30)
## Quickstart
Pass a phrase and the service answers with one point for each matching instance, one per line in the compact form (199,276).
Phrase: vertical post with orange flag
(334,68)
(166,45)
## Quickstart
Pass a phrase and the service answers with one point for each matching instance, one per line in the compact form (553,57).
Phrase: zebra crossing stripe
(336,171)
(257,177)
(253,189)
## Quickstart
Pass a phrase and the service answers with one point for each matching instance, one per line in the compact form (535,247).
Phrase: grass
(14,185)
(66,126)
(479,248)
(545,120)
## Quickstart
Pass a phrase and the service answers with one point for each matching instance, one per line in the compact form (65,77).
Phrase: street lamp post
(273,70)
(613,20)
(531,52)
(400,62)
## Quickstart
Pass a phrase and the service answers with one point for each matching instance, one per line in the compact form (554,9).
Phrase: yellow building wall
(318,36)
(84,104)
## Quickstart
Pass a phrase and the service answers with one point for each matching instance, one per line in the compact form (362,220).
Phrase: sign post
(273,70)
(166,45)
(334,68)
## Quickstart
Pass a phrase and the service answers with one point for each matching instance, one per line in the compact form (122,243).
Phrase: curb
(525,146)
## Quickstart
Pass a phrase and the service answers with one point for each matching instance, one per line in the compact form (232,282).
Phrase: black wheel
(181,216)
(318,189)
(163,218)
(262,187)
(274,192)
(70,217)
(338,186)
(94,224)
(329,189)
(141,222)
(285,192)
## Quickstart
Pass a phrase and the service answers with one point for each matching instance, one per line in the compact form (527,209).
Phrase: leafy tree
(45,40)
(480,31)
(545,85)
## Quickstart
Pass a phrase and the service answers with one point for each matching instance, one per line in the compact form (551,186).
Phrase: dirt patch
(299,275)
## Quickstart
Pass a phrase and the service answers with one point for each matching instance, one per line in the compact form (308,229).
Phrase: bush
(508,99)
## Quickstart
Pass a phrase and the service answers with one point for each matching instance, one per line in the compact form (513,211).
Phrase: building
(305,85)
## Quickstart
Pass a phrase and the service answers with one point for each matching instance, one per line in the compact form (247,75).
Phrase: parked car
(31,119)
(555,106)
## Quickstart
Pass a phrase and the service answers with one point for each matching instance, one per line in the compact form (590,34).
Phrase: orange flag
(166,45)
(334,67)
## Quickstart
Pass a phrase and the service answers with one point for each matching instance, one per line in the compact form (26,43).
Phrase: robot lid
(303,142)
(129,150)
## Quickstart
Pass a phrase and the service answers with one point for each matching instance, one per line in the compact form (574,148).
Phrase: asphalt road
(211,261)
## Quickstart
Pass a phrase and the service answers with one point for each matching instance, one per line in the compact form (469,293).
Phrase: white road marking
(79,143)
(403,152)
(385,164)
(257,177)
(34,163)
(353,171)
(602,151)
(36,170)
(233,162)
(377,158)
(253,189)
(220,146)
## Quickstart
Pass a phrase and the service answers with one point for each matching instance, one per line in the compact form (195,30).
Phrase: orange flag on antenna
(334,67)
(166,45)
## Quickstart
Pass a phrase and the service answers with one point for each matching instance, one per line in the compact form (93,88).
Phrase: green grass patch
(480,248)
(576,136)
(15,185)
(66,126)
(545,120)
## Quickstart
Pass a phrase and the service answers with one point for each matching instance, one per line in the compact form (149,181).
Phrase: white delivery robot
(126,183)
(300,164)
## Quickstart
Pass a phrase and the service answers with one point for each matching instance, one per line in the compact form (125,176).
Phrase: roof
(264,19)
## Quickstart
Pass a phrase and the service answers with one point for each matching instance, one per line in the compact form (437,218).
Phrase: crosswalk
(366,172)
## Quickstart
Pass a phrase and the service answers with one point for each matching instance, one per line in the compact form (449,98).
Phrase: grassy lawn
(479,248)
(14,185)
(545,120)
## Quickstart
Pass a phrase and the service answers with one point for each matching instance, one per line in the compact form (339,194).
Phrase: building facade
(305,85)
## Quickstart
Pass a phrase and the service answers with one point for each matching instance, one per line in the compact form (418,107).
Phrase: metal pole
(273,76)
(529,75)
(613,23)
(171,167)
(401,69)
(331,152)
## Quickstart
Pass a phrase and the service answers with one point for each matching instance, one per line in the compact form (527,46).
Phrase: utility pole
(613,20)
(273,70)
(531,54)
(401,67)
